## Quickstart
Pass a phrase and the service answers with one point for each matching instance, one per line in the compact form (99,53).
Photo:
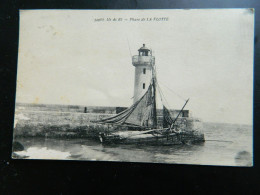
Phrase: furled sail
(138,115)
(167,120)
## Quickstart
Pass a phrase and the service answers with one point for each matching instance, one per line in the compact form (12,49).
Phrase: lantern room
(143,51)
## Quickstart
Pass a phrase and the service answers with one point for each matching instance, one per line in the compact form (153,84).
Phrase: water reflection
(236,152)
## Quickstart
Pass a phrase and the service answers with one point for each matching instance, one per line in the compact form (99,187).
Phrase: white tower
(143,71)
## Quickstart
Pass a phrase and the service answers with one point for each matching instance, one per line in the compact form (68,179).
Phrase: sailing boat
(138,124)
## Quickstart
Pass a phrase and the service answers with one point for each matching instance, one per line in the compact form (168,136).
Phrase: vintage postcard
(156,86)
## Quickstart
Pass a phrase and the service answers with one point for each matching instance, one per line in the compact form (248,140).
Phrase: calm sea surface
(225,145)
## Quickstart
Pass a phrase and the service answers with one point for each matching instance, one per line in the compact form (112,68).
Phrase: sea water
(226,144)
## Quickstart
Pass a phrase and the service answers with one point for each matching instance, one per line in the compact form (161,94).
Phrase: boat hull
(156,139)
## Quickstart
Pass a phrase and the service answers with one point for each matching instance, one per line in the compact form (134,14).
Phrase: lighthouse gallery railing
(143,60)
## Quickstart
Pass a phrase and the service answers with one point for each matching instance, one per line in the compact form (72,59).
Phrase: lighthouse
(143,63)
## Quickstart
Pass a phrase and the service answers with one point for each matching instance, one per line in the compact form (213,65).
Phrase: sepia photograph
(170,86)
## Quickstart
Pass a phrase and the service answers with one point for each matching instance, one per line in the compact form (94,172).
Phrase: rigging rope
(161,93)
(129,48)
(174,92)
(162,96)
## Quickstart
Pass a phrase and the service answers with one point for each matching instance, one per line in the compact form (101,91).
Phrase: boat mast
(154,97)
(179,113)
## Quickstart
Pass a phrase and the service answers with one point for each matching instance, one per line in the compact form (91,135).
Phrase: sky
(77,57)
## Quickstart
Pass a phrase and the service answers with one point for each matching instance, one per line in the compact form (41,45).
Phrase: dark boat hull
(190,137)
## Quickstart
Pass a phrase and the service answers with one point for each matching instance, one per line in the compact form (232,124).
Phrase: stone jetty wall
(61,120)
(56,124)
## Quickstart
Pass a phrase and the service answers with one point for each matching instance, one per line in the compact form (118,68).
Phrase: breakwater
(57,124)
(64,121)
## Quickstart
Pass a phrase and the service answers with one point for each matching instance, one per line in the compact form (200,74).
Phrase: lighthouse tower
(143,63)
